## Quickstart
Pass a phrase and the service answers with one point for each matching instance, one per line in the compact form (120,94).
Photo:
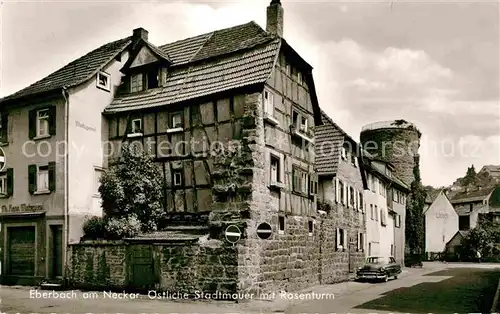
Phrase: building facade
(52,139)
(340,195)
(441,224)
(234,149)
(385,210)
(473,202)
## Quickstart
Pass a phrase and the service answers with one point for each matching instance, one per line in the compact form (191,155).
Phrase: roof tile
(76,72)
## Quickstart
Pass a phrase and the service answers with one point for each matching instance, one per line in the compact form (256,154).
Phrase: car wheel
(396,277)
(386,278)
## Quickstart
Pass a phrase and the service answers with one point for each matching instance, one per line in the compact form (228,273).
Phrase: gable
(145,56)
(441,205)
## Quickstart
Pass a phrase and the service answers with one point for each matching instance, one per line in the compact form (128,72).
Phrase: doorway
(56,251)
(21,249)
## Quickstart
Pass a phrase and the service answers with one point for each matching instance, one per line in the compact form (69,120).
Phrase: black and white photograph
(250,156)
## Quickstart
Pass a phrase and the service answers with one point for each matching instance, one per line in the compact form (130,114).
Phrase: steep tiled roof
(206,64)
(471,196)
(379,168)
(431,196)
(329,140)
(75,72)
(201,79)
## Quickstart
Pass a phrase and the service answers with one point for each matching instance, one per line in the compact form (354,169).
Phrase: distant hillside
(488,176)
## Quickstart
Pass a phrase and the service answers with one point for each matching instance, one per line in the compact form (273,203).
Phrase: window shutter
(345,194)
(337,191)
(356,200)
(337,239)
(32,124)
(5,133)
(344,246)
(52,176)
(10,181)
(52,120)
(32,178)
(358,245)
(348,196)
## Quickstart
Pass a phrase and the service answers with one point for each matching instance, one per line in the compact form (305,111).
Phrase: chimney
(140,33)
(275,18)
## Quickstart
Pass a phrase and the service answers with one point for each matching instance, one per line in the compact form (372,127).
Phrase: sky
(433,63)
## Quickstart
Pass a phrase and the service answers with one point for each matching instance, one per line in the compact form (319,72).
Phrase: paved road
(346,297)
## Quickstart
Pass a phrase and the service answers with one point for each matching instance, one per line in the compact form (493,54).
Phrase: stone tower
(396,142)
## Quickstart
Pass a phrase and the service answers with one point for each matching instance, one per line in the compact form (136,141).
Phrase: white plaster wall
(441,224)
(88,133)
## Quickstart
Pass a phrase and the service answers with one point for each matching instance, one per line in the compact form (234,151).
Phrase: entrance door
(21,251)
(142,267)
(57,246)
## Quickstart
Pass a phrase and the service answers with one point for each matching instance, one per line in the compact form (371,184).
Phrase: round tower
(395,141)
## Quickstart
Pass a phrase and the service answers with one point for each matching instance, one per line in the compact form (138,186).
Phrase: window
(397,221)
(281,223)
(303,124)
(153,78)
(275,170)
(299,78)
(97,180)
(3,184)
(361,205)
(376,213)
(344,153)
(381,188)
(463,223)
(374,184)
(361,242)
(371,212)
(288,69)
(395,195)
(382,218)
(295,118)
(176,121)
(137,126)
(351,197)
(311,227)
(300,181)
(341,192)
(268,103)
(313,185)
(341,240)
(392,253)
(471,207)
(136,83)
(177,178)
(42,179)
(42,122)
(354,160)
(104,81)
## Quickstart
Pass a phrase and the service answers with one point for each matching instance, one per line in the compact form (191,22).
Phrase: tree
(485,238)
(414,217)
(470,177)
(132,193)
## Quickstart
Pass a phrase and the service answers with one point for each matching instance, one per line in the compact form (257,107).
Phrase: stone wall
(177,267)
(398,146)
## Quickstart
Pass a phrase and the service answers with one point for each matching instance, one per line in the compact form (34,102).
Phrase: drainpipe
(66,180)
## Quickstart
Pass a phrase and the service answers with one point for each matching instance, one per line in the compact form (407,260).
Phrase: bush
(93,228)
(123,227)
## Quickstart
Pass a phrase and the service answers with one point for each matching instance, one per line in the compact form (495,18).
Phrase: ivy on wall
(415,218)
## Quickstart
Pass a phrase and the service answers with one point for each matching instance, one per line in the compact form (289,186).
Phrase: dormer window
(104,81)
(153,78)
(136,83)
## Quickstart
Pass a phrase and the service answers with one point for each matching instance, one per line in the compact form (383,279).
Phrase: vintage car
(379,268)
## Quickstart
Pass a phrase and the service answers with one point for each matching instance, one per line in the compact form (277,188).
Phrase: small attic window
(104,81)
(153,78)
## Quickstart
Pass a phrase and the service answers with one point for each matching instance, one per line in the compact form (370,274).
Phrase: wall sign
(84,126)
(441,215)
(22,208)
